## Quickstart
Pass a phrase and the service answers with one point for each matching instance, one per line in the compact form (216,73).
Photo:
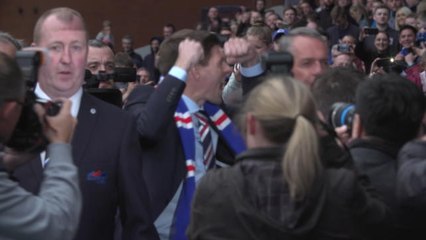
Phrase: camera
(120,74)
(344,48)
(278,62)
(341,114)
(371,31)
(29,62)
(28,133)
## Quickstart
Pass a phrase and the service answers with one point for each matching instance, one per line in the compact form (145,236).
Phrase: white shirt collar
(75,99)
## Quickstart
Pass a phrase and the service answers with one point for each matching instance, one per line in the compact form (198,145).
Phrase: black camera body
(28,133)
(341,114)
(120,74)
(29,62)
(278,62)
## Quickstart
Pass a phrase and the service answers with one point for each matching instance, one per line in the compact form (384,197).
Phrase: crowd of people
(305,124)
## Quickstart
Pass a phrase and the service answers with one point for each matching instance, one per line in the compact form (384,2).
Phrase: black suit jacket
(164,160)
(108,156)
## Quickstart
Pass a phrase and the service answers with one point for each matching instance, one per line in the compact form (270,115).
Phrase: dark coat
(411,185)
(108,156)
(251,201)
(162,149)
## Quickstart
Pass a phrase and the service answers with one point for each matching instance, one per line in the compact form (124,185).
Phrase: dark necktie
(206,139)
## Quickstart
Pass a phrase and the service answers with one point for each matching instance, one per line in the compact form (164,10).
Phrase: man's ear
(357,128)
(194,72)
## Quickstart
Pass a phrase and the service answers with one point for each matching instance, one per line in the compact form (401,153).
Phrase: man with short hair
(168,30)
(105,146)
(100,58)
(183,131)
(389,113)
(127,44)
(307,46)
(54,212)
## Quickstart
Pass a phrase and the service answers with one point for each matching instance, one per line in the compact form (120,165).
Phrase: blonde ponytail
(301,163)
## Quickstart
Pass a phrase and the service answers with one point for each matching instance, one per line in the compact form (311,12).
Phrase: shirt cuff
(178,73)
(252,71)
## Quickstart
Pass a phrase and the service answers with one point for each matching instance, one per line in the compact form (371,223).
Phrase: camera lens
(342,114)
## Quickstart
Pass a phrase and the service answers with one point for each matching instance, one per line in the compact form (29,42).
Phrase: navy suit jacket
(108,155)
(163,156)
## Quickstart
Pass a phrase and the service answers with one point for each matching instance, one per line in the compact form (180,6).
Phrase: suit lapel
(87,118)
(36,168)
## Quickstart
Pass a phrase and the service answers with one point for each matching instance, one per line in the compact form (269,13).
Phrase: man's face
(255,17)
(100,59)
(381,16)
(212,76)
(393,5)
(143,76)
(407,38)
(127,45)
(342,60)
(289,16)
(270,21)
(310,59)
(155,45)
(167,32)
(66,43)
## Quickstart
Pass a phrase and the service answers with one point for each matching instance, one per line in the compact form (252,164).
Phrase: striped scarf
(227,131)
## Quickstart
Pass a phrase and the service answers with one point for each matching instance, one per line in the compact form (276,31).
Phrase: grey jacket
(53,213)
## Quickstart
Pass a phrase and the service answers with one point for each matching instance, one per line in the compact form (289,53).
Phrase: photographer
(53,213)
(389,111)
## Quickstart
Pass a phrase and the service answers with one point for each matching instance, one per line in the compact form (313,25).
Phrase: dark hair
(169,48)
(336,85)
(390,107)
(170,25)
(404,27)
(12,85)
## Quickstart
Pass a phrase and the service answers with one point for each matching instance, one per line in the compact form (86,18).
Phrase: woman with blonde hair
(401,14)
(278,188)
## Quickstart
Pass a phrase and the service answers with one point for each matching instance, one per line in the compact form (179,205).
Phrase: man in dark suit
(105,145)
(174,151)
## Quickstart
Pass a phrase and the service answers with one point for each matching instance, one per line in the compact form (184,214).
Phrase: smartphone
(371,31)
(384,62)
(344,48)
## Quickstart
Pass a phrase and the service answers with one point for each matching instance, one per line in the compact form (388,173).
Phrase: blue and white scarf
(227,131)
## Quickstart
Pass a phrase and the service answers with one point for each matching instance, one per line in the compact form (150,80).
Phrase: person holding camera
(389,113)
(54,212)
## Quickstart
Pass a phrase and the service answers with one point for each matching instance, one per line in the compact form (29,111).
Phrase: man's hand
(59,128)
(239,50)
(190,53)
